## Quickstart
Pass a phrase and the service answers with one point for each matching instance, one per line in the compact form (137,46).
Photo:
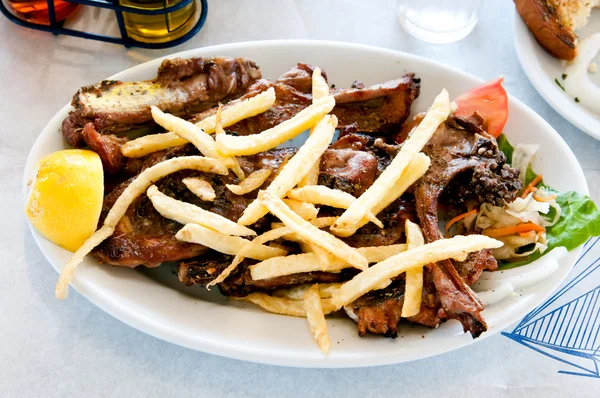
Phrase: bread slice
(554,22)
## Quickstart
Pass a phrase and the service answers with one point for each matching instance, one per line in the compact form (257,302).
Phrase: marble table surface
(73,349)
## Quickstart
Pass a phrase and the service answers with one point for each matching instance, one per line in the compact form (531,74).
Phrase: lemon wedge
(66,198)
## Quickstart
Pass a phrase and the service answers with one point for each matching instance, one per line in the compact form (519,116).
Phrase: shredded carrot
(517,229)
(544,198)
(458,218)
(531,187)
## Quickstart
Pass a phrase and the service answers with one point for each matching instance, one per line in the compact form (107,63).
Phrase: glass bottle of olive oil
(159,28)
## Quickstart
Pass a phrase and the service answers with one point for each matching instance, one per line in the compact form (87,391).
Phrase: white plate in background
(154,301)
(542,69)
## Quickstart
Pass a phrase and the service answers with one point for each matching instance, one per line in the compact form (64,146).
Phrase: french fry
(348,222)
(186,213)
(456,248)
(285,306)
(295,168)
(190,132)
(252,245)
(375,254)
(320,89)
(68,271)
(325,258)
(155,173)
(133,190)
(201,188)
(235,112)
(415,170)
(307,211)
(297,293)
(414,277)
(316,318)
(219,121)
(230,145)
(320,222)
(312,178)
(224,243)
(294,264)
(276,232)
(322,195)
(311,233)
(252,182)
(310,262)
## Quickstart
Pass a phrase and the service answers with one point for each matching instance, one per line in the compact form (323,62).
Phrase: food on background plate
(554,23)
(351,223)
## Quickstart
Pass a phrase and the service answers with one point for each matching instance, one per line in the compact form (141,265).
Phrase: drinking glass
(439,21)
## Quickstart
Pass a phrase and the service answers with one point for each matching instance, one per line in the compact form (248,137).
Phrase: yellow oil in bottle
(159,28)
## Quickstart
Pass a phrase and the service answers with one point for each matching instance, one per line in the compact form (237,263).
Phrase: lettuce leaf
(580,219)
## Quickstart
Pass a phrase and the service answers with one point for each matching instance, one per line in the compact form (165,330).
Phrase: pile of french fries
(291,196)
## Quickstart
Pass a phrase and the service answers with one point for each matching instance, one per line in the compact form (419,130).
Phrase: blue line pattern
(567,326)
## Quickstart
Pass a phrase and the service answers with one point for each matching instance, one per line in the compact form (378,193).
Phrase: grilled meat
(376,109)
(241,283)
(182,87)
(461,147)
(108,148)
(203,269)
(379,311)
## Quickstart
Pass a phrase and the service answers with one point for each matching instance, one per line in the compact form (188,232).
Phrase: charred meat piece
(348,170)
(393,218)
(354,162)
(144,237)
(108,148)
(379,311)
(203,269)
(461,147)
(380,108)
(383,152)
(376,109)
(470,270)
(182,87)
(241,284)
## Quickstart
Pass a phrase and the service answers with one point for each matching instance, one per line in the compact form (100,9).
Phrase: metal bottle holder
(57,28)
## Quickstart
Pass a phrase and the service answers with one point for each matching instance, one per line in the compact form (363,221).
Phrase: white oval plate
(154,302)
(541,68)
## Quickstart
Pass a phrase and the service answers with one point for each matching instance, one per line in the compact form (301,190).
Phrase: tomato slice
(490,100)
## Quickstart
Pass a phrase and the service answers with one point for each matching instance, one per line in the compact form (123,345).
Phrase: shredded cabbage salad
(538,220)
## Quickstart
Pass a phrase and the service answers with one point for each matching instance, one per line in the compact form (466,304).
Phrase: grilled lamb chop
(460,147)
(144,237)
(203,269)
(182,87)
(376,109)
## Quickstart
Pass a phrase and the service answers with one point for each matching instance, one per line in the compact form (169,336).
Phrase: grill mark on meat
(182,87)
(461,145)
